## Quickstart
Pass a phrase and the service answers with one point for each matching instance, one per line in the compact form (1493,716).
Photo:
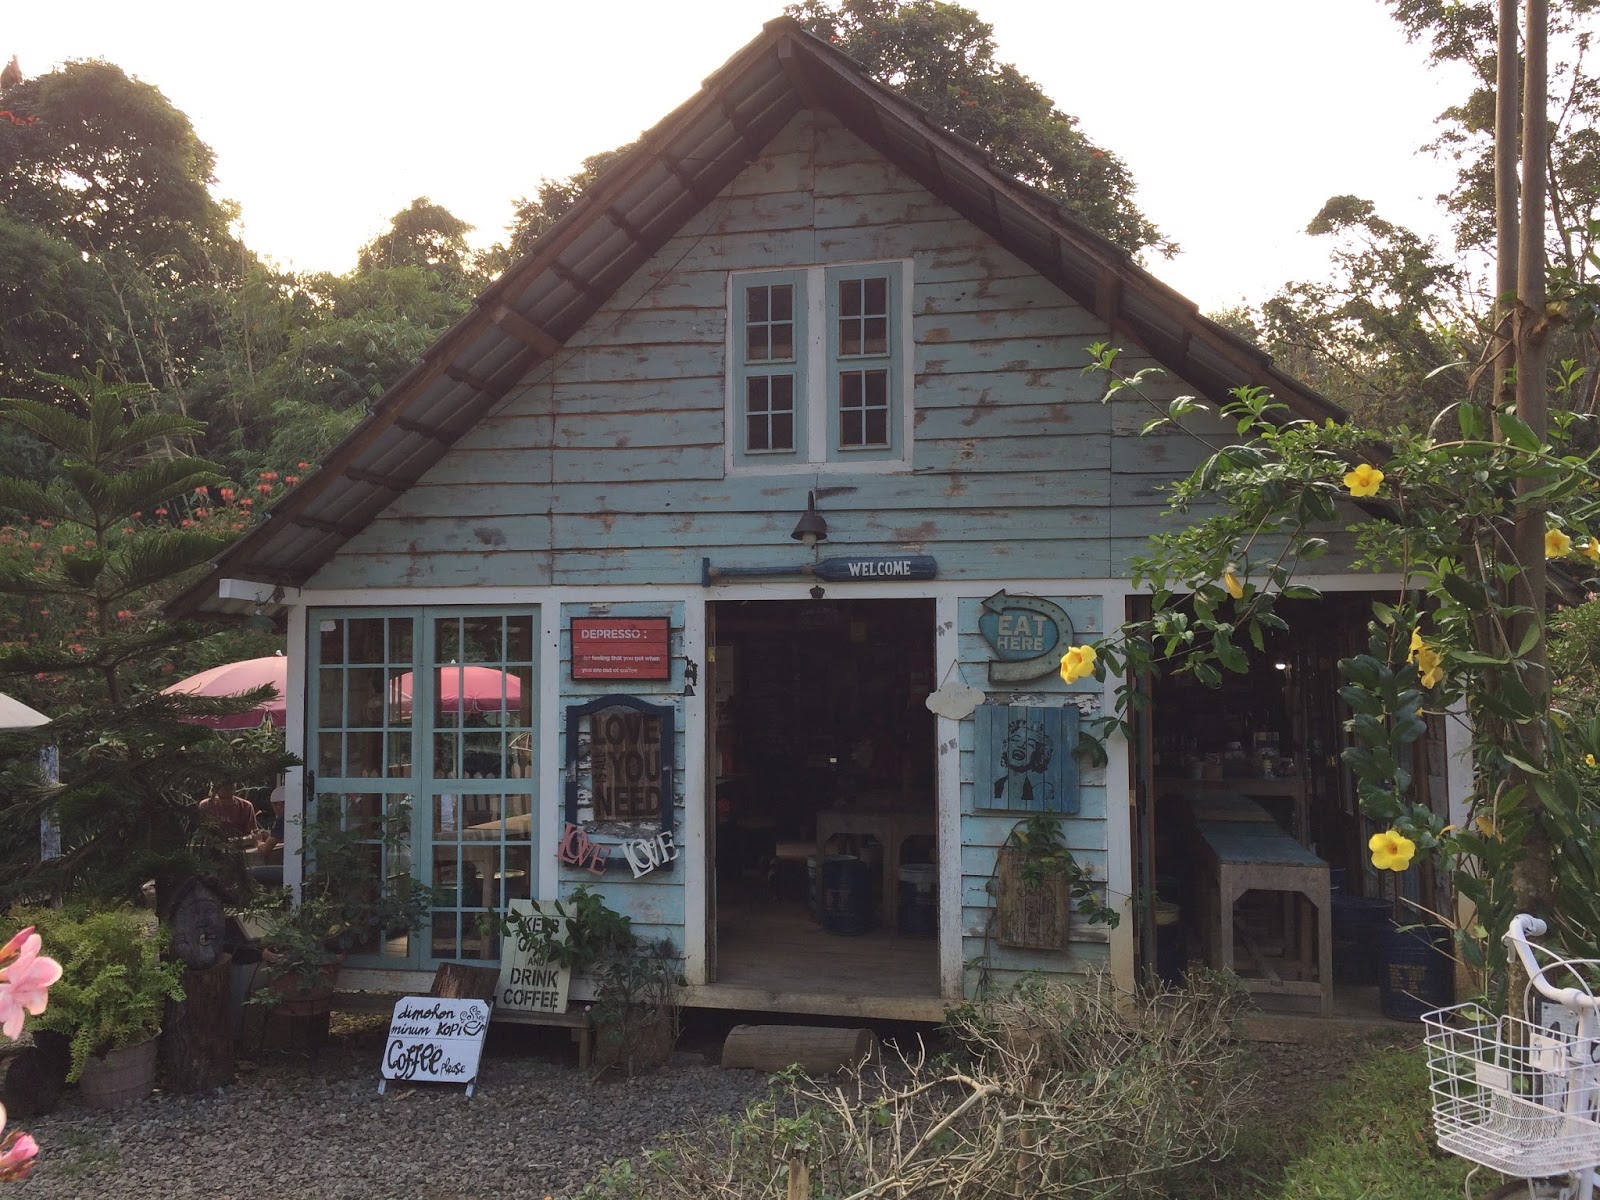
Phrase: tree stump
(817,1050)
(33,1074)
(197,1046)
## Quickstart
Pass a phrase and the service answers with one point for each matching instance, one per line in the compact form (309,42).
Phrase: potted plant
(113,990)
(344,908)
(637,1003)
(636,983)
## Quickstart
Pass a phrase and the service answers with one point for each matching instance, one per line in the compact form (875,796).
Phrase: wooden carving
(1031,916)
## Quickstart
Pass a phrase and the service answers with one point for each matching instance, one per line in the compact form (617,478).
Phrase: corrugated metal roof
(523,318)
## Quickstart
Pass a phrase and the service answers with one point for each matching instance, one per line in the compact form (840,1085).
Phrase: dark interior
(820,723)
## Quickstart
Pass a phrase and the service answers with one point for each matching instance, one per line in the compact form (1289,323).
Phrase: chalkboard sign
(435,1041)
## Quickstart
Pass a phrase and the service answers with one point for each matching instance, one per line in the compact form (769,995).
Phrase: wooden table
(890,828)
(1291,795)
(1260,856)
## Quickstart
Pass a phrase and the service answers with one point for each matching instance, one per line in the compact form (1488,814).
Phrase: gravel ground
(290,1127)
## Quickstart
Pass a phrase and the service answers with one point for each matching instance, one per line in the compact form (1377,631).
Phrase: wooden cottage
(645,575)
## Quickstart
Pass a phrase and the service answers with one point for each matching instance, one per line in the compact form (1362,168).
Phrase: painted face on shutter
(1027,748)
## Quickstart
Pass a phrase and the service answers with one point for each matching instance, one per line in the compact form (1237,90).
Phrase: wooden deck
(772,957)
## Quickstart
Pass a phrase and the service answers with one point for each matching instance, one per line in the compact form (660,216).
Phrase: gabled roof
(523,318)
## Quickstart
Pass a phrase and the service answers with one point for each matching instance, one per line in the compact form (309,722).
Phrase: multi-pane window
(364,751)
(797,401)
(770,367)
(863,337)
(483,737)
(423,736)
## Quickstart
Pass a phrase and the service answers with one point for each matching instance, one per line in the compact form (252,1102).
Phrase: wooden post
(799,1179)
(1533,876)
(197,1041)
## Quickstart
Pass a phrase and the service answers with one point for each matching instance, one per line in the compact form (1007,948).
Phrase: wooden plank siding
(606,465)
(983,833)
(654,903)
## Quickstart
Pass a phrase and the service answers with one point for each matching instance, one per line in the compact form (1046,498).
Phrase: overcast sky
(1238,118)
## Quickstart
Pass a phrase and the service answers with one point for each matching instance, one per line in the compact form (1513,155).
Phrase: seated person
(229,812)
(269,839)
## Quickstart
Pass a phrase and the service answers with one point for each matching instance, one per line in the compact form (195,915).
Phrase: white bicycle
(1522,1097)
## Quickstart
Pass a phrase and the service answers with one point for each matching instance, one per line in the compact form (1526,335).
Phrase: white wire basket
(1514,1096)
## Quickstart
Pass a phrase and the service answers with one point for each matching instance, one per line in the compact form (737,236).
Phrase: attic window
(819,376)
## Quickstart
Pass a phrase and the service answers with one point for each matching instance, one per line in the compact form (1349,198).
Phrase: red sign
(620,648)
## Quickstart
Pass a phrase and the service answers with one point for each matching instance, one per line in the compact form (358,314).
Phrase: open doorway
(1254,814)
(824,843)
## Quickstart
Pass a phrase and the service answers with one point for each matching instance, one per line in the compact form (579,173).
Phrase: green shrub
(114,985)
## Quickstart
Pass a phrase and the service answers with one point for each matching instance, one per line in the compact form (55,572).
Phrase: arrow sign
(1027,634)
(864,568)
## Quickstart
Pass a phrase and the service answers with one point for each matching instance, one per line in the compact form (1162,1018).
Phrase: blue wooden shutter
(1046,738)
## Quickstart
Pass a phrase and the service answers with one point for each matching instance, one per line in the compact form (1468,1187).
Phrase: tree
(108,163)
(531,217)
(1397,307)
(132,766)
(421,235)
(115,246)
(1372,336)
(941,57)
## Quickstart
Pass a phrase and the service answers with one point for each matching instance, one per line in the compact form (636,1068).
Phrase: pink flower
(25,980)
(17,1154)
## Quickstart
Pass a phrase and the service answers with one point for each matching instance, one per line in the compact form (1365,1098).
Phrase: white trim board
(784,589)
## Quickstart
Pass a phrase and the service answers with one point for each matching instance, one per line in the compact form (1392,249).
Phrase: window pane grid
(863,317)
(863,408)
(769,323)
(769,413)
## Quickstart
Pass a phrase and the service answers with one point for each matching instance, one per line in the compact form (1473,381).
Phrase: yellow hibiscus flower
(1391,850)
(1588,760)
(1364,480)
(1231,582)
(1076,663)
(1590,549)
(1430,663)
(1556,544)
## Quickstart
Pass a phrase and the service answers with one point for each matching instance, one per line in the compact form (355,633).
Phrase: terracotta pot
(119,1077)
(295,999)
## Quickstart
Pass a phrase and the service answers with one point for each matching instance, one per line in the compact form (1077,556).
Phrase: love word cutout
(646,854)
(576,850)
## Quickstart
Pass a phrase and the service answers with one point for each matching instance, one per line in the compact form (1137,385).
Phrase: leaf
(1515,431)
(1465,592)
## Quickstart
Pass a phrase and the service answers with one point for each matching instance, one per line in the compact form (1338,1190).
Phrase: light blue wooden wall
(655,902)
(607,465)
(983,833)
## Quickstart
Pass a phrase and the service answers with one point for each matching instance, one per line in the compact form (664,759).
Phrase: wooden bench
(458,981)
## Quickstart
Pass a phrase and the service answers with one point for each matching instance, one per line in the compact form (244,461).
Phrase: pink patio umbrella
(467,689)
(232,678)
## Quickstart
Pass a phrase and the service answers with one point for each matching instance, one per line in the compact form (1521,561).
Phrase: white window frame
(816,399)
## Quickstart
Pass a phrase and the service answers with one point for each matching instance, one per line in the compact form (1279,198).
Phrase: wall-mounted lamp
(258,621)
(811,528)
(691,676)
(1281,666)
